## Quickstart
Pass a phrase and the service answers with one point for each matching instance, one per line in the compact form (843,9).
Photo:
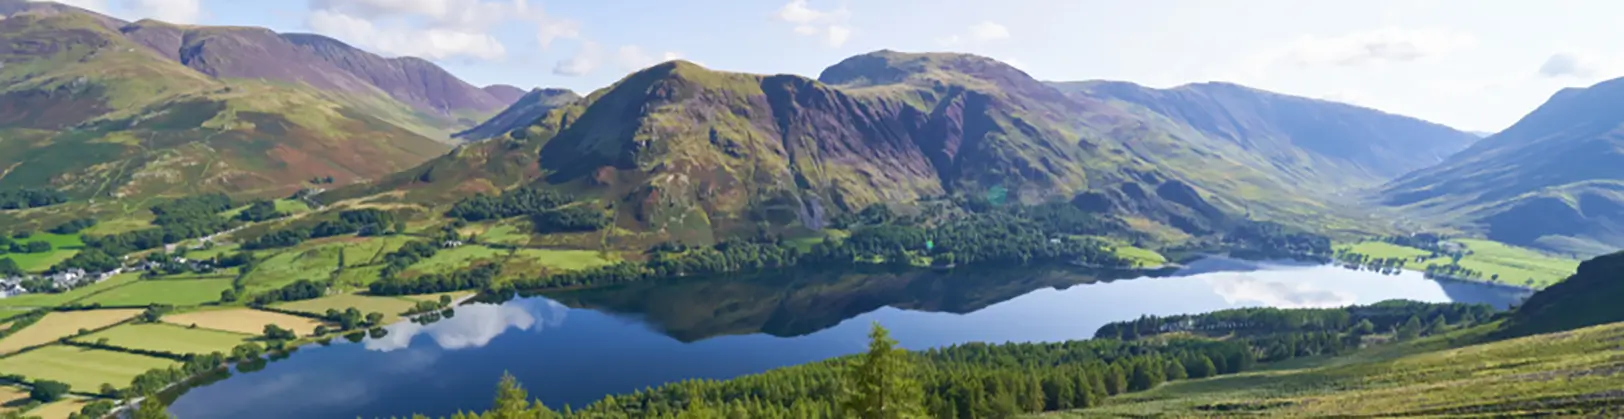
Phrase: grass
(436,297)
(292,206)
(562,259)
(242,320)
(1141,257)
(62,324)
(63,246)
(83,369)
(391,307)
(52,300)
(210,253)
(448,260)
(1577,370)
(167,338)
(505,234)
(313,263)
(11,395)
(1512,265)
(59,409)
(176,292)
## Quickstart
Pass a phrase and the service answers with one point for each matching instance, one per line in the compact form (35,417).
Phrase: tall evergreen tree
(880,384)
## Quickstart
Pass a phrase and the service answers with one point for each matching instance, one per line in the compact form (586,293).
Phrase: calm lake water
(576,347)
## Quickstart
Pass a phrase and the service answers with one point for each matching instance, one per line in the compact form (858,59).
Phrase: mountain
(98,107)
(504,93)
(524,111)
(1294,139)
(697,154)
(1481,134)
(1554,180)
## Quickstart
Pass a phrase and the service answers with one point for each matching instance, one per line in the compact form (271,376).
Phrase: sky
(1475,65)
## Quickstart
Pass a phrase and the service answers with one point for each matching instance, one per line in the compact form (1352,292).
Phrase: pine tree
(1176,371)
(1203,367)
(1410,329)
(512,402)
(1437,325)
(1116,381)
(880,384)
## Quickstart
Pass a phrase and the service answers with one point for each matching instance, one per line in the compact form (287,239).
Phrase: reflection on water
(572,348)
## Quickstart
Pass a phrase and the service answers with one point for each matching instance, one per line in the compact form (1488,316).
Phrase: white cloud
(474,326)
(1385,45)
(587,58)
(838,35)
(173,11)
(1581,65)
(433,43)
(988,31)
(810,22)
(1238,288)
(434,29)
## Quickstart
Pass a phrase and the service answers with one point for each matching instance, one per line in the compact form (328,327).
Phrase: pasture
(242,320)
(83,369)
(62,324)
(60,409)
(10,396)
(176,292)
(1384,250)
(391,307)
(167,338)
(315,263)
(448,260)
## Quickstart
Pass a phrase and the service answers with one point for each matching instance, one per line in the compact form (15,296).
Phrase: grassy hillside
(94,112)
(1554,374)
(1555,179)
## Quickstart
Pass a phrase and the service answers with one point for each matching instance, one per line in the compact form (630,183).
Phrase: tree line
(30,198)
(1401,317)
(365,222)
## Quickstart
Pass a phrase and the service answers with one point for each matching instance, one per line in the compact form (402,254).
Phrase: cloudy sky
(1471,64)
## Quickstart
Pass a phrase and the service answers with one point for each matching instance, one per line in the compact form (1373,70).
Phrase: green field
(1384,250)
(52,300)
(168,338)
(62,248)
(84,369)
(178,292)
(391,307)
(1529,376)
(506,234)
(315,263)
(562,259)
(448,260)
(210,253)
(1512,265)
(292,206)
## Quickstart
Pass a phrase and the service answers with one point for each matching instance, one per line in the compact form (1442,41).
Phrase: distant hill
(1288,138)
(102,108)
(524,111)
(1555,179)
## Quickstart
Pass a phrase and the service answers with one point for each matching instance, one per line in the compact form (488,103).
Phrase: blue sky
(1471,64)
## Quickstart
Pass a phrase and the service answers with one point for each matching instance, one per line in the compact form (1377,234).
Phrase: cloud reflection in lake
(1275,289)
(473,326)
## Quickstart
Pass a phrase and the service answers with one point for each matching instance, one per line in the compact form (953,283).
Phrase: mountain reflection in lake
(578,346)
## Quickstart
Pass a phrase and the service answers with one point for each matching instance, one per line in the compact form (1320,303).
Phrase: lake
(575,347)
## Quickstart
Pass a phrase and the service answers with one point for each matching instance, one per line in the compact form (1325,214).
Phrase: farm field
(391,307)
(1527,376)
(61,324)
(1383,250)
(505,233)
(62,248)
(360,251)
(357,277)
(177,292)
(10,395)
(210,253)
(292,206)
(59,409)
(83,369)
(1512,265)
(52,300)
(242,320)
(562,258)
(315,263)
(436,297)
(447,260)
(1142,257)
(168,338)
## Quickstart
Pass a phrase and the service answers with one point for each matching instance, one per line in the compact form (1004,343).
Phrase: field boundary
(66,339)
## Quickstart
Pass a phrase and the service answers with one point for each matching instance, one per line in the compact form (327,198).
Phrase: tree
(9,268)
(1175,371)
(1437,325)
(46,391)
(151,408)
(1202,367)
(1365,327)
(228,295)
(276,333)
(1409,330)
(880,383)
(38,247)
(374,318)
(321,330)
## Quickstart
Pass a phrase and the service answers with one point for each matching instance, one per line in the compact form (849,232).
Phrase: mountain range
(103,108)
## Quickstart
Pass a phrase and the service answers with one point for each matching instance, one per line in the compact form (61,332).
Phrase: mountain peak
(893,67)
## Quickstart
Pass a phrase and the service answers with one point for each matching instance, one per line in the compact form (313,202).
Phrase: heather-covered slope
(87,108)
(1555,179)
